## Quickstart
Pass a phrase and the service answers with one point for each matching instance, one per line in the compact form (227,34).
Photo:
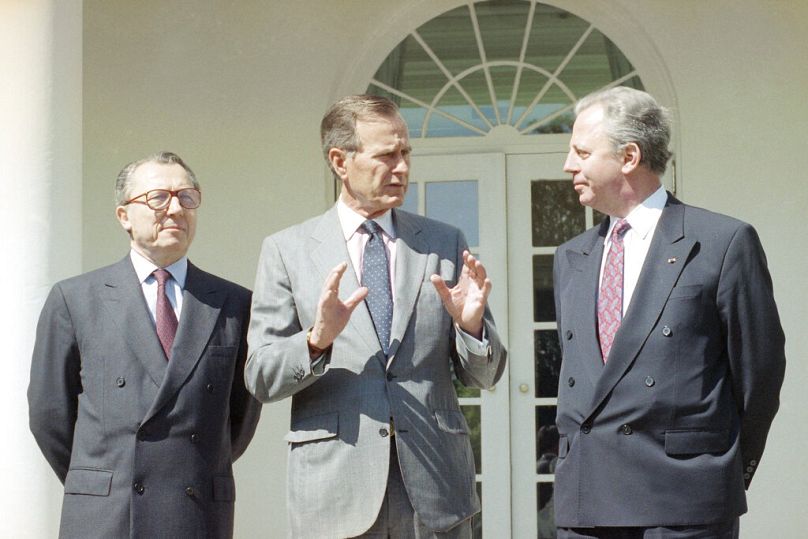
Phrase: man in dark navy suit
(673,353)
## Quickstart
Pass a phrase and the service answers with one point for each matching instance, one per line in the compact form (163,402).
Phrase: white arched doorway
(487,89)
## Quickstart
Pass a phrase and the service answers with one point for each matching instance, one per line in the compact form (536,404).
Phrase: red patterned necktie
(166,319)
(610,299)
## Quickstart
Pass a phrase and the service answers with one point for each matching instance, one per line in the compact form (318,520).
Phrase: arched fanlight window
(514,63)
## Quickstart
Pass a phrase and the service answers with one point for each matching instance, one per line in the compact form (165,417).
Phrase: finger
(356,298)
(480,271)
(333,279)
(442,289)
(486,288)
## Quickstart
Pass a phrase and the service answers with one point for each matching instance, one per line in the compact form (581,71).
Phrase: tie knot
(372,227)
(161,276)
(620,229)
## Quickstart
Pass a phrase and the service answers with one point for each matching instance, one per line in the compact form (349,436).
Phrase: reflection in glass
(411,199)
(455,203)
(546,439)
(556,214)
(472,414)
(477,520)
(543,301)
(544,505)
(464,391)
(547,355)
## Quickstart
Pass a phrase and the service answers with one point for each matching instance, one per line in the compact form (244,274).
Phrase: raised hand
(466,301)
(332,313)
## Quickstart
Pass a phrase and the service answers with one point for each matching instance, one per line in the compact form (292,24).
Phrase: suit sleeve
(755,343)
(278,363)
(55,383)
(472,368)
(244,409)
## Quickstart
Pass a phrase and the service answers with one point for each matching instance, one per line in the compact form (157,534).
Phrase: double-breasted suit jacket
(339,442)
(143,446)
(672,428)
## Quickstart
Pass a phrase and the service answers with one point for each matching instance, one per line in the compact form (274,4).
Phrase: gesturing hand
(466,301)
(332,313)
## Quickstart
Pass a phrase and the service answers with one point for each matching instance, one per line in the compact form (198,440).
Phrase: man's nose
(571,163)
(174,206)
(403,165)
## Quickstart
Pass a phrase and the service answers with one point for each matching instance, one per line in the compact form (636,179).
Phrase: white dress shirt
(174,287)
(643,220)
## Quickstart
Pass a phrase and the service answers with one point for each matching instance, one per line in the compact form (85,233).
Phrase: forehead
(159,176)
(378,131)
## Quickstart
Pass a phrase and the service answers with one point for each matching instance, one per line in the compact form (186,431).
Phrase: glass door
(468,191)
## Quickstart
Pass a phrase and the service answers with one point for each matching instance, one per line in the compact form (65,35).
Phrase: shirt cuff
(472,344)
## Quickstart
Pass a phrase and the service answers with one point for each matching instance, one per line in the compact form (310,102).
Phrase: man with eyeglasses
(137,397)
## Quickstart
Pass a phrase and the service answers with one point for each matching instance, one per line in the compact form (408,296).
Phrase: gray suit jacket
(143,446)
(339,446)
(672,428)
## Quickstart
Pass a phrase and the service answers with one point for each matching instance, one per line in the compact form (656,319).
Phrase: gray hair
(634,116)
(124,180)
(338,127)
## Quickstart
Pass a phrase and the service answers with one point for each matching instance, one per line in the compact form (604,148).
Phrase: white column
(40,227)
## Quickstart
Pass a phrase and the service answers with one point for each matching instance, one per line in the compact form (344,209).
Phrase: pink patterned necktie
(166,319)
(610,299)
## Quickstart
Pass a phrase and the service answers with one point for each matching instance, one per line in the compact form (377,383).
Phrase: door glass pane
(472,414)
(547,355)
(546,440)
(544,506)
(455,203)
(556,214)
(543,301)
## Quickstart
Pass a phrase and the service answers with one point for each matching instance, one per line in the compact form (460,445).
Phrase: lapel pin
(672,260)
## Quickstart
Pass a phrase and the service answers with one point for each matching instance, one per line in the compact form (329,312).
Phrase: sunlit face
(375,177)
(597,170)
(162,236)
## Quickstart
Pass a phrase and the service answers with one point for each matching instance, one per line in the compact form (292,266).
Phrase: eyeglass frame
(171,194)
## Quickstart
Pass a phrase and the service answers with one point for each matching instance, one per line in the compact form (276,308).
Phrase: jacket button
(121,381)
(586,428)
(390,376)
(626,429)
(141,434)
(194,438)
(568,335)
(383,432)
(210,388)
(753,462)
(649,381)
(189,491)
(666,331)
(571,381)
(138,488)
(747,476)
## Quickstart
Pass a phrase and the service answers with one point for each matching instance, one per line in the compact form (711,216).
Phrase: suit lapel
(201,303)
(663,264)
(126,306)
(410,266)
(584,286)
(327,248)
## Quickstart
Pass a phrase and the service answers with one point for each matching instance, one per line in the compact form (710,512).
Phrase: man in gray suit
(378,444)
(673,353)
(137,397)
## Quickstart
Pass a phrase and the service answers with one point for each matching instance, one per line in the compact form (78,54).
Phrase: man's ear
(338,159)
(631,157)
(123,218)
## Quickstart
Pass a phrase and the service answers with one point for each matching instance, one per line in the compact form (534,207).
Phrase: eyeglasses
(159,199)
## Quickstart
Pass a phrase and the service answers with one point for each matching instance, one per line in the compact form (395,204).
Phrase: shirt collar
(144,268)
(645,216)
(351,221)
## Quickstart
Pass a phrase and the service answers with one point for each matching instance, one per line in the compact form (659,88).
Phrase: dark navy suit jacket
(672,428)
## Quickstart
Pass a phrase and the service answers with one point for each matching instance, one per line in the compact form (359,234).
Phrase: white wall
(239,90)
